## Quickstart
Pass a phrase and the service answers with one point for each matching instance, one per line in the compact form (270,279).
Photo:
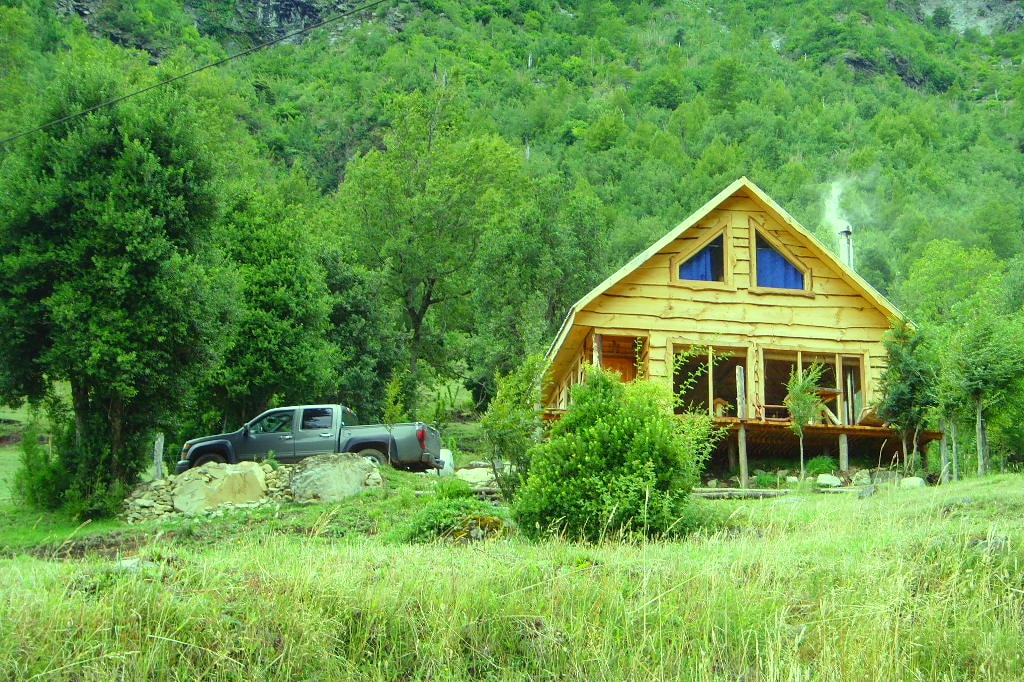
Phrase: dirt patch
(108,546)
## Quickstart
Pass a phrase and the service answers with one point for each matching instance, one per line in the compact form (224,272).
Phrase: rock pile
(214,488)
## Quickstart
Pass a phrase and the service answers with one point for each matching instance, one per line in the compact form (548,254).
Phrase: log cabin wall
(827,313)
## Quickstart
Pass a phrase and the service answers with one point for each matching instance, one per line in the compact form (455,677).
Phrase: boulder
(913,482)
(211,485)
(829,481)
(330,478)
(862,477)
(885,477)
(480,477)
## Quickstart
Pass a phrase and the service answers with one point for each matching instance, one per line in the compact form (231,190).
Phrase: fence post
(158,457)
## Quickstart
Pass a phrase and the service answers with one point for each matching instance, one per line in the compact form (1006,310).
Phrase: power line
(193,72)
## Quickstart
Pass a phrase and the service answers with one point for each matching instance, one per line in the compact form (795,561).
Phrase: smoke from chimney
(834,218)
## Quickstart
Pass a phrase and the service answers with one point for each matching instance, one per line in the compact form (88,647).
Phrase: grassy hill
(916,584)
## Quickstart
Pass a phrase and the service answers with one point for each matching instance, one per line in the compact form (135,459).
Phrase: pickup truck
(290,433)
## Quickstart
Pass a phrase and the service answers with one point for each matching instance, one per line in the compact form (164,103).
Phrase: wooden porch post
(844,443)
(741,433)
(598,349)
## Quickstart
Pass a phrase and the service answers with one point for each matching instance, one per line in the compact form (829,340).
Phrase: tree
(803,402)
(101,287)
(908,384)
(987,362)
(417,211)
(512,423)
(278,352)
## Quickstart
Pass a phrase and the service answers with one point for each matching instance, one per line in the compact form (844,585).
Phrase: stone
(477,477)
(829,481)
(331,478)
(792,479)
(712,483)
(478,464)
(913,482)
(861,477)
(203,488)
(885,477)
(867,491)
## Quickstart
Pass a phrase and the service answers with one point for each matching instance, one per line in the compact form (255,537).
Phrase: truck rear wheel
(378,457)
(207,458)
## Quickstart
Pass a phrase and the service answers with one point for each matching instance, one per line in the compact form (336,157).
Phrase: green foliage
(908,383)
(822,464)
(104,284)
(618,462)
(452,518)
(394,400)
(39,480)
(279,352)
(803,402)
(512,423)
(418,209)
(766,481)
(452,488)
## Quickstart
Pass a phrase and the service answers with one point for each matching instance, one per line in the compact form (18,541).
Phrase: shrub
(822,464)
(512,423)
(766,481)
(452,488)
(38,482)
(618,462)
(460,518)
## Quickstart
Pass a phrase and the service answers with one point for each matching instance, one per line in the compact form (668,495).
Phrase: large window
(706,381)
(708,264)
(774,270)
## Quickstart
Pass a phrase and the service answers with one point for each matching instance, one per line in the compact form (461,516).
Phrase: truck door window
(315,418)
(275,422)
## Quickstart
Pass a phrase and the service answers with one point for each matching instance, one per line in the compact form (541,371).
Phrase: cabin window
(708,264)
(774,270)
(705,380)
(626,355)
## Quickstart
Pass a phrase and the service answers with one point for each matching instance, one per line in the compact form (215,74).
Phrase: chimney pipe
(846,245)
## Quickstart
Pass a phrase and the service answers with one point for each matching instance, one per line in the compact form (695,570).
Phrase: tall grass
(906,585)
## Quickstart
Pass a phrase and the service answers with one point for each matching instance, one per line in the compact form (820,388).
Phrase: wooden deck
(773,440)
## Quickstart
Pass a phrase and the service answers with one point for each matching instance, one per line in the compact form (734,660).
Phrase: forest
(211,207)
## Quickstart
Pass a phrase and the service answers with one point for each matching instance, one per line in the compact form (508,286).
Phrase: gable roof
(741,187)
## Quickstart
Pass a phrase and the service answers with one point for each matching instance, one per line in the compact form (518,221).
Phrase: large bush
(619,462)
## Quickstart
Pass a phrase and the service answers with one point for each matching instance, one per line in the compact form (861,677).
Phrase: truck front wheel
(207,458)
(378,457)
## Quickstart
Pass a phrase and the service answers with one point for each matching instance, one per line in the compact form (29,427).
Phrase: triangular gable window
(708,264)
(774,270)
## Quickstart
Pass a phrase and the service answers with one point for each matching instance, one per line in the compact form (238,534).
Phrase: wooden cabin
(743,282)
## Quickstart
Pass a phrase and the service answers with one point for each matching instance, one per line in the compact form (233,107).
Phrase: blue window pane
(708,264)
(773,270)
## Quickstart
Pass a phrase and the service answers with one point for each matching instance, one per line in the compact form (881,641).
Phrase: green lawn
(8,465)
(906,585)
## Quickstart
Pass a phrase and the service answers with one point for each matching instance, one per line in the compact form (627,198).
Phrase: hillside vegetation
(418,191)
(911,584)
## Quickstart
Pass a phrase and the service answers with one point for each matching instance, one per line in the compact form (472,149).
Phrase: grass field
(905,585)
